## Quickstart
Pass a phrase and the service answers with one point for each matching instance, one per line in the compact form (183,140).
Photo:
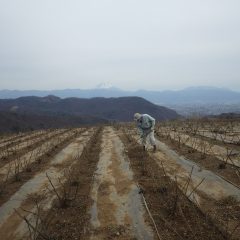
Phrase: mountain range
(192,95)
(52,110)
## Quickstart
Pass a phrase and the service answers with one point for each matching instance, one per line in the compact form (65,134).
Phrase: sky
(131,44)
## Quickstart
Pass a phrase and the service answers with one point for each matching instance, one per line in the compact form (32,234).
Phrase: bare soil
(38,188)
(11,137)
(100,187)
(175,216)
(209,162)
(29,148)
(12,185)
(23,139)
(114,188)
(218,142)
(69,222)
(107,205)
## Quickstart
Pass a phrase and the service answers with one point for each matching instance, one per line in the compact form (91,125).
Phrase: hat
(137,116)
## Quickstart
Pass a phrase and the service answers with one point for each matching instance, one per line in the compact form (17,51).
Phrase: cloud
(132,44)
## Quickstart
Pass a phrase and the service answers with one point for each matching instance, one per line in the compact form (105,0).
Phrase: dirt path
(175,216)
(117,211)
(220,152)
(13,137)
(11,226)
(18,164)
(234,138)
(214,186)
(175,165)
(23,139)
(18,149)
(212,191)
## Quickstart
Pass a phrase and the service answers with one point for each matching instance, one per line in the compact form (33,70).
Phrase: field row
(99,184)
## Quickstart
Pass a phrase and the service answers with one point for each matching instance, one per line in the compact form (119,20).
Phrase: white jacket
(145,123)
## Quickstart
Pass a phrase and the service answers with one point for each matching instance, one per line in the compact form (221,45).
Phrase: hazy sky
(133,44)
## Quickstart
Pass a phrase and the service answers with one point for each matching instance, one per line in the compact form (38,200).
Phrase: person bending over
(145,124)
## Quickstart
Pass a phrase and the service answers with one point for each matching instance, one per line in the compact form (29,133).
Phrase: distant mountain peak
(104,85)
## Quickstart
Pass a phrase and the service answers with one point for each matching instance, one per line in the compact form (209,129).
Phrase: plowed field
(98,183)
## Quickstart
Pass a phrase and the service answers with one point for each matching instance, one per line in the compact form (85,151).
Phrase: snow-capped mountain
(104,85)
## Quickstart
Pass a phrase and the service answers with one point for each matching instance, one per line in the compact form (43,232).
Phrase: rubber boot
(154,148)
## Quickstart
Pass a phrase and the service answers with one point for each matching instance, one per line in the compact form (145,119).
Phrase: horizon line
(120,89)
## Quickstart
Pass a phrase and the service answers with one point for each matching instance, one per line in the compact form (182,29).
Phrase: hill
(117,109)
(20,122)
(30,113)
